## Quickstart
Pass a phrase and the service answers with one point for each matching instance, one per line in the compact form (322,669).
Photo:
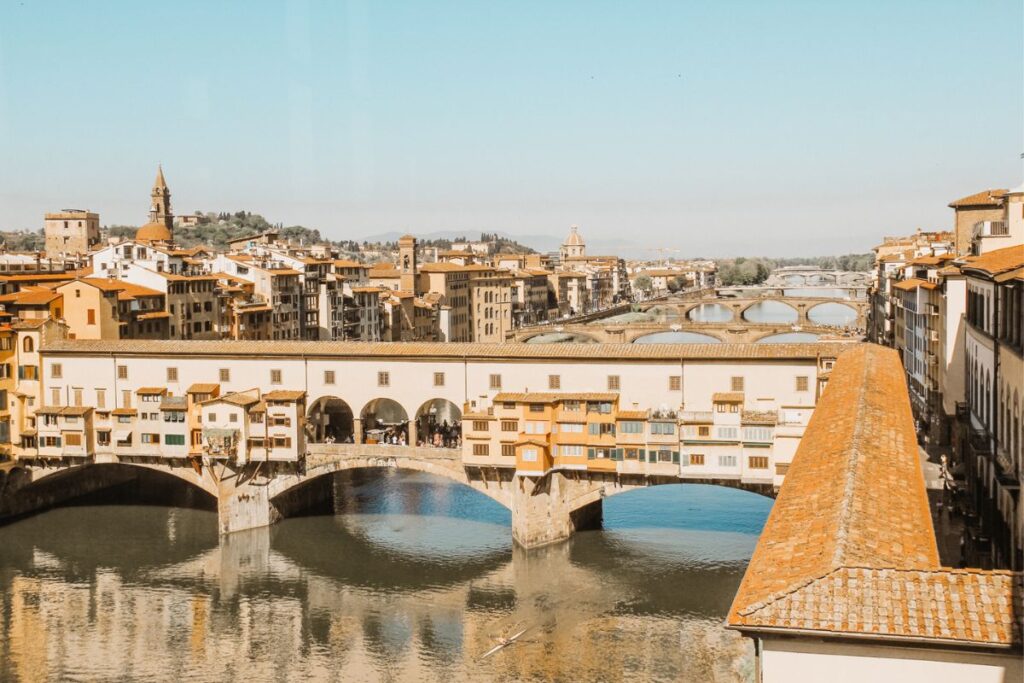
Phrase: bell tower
(407,263)
(160,201)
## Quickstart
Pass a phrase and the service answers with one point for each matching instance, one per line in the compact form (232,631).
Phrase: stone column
(546,510)
(412,432)
(357,430)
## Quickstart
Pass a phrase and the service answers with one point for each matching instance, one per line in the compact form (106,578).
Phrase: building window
(696,458)
(77,392)
(211,417)
(737,384)
(174,439)
(225,374)
(481,449)
(675,382)
(101,398)
(704,431)
(438,379)
(383,379)
(529,455)
(56,371)
(495,381)
(727,461)
(54,397)
(554,382)
(233,417)
(172,374)
(328,376)
(509,426)
(758,462)
(613,383)
(631,427)
(508,450)
(801,383)
(90,316)
(122,372)
(481,426)
(126,398)
(275,376)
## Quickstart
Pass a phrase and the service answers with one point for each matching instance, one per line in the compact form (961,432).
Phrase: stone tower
(160,206)
(573,246)
(407,263)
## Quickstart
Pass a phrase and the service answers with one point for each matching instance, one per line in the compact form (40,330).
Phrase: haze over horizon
(652,128)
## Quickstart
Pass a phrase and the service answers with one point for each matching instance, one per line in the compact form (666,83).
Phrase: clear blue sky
(713,127)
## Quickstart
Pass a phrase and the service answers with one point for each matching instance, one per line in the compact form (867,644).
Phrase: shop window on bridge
(663,428)
(571,406)
(279,421)
(174,439)
(703,431)
(507,450)
(509,426)
(124,419)
(631,453)
(727,461)
(601,407)
(571,427)
(728,433)
(536,427)
(481,426)
(481,449)
(758,462)
(631,427)
(571,451)
(149,438)
(174,416)
(601,429)
(103,438)
(757,434)
(530,455)
(696,459)
(537,407)
(51,442)
(5,431)
(72,439)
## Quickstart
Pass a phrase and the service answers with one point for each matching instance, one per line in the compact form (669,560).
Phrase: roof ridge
(785,592)
(846,506)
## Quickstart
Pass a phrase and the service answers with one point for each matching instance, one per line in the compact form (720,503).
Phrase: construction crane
(664,251)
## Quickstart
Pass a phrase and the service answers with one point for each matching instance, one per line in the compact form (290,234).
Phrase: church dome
(153,232)
(574,239)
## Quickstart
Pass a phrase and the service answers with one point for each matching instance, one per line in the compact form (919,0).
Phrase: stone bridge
(801,276)
(544,510)
(629,332)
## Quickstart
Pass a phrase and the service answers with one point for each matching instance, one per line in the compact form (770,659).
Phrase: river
(411,579)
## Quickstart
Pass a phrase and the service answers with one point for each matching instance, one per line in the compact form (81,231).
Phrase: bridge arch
(609,489)
(331,419)
(833,313)
(402,458)
(553,336)
(773,307)
(709,311)
(25,478)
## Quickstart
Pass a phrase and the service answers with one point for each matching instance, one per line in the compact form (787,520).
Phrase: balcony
(991,229)
(696,416)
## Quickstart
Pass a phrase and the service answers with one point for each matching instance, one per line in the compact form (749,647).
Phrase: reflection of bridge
(544,510)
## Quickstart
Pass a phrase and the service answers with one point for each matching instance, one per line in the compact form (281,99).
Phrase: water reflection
(677,338)
(710,313)
(770,312)
(412,579)
(825,292)
(836,315)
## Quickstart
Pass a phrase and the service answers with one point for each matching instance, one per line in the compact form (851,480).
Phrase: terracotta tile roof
(154,315)
(151,391)
(348,263)
(441,267)
(124,411)
(727,397)
(31,296)
(849,548)
(983,198)
(76,410)
(996,261)
(1011,275)
(283,395)
(914,283)
(368,290)
(631,415)
(532,440)
(551,397)
(234,398)
(203,388)
(432,350)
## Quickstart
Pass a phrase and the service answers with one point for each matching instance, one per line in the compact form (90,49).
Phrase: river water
(411,579)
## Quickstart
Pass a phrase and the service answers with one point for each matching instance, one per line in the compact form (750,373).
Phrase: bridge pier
(552,508)
(244,508)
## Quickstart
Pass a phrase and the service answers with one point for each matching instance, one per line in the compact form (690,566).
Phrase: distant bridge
(801,276)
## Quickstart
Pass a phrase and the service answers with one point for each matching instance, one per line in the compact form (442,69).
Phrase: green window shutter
(641,454)
(590,454)
(617,454)
(675,457)
(594,429)
(652,456)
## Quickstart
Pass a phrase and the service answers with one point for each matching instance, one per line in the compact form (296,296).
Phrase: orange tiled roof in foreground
(983,198)
(849,549)
(996,261)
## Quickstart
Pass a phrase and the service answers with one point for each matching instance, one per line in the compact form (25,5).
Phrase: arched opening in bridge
(561,338)
(385,421)
(330,420)
(677,338)
(770,312)
(833,314)
(439,424)
(795,279)
(710,313)
(703,522)
(102,484)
